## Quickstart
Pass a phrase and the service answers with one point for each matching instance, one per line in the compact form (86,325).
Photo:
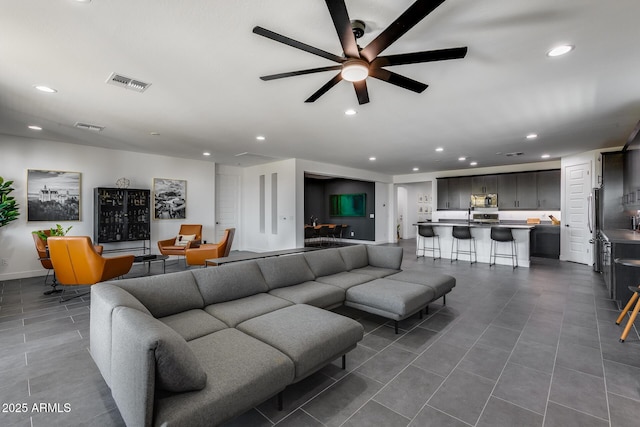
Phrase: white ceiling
(204,63)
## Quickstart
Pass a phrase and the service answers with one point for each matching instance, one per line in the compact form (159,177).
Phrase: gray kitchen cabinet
(517,191)
(548,183)
(484,184)
(454,193)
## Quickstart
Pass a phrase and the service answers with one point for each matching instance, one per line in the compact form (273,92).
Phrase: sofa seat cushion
(237,311)
(440,283)
(241,372)
(284,271)
(345,280)
(310,336)
(377,272)
(164,294)
(312,293)
(389,298)
(193,324)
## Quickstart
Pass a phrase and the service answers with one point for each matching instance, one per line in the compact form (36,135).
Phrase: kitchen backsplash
(503,215)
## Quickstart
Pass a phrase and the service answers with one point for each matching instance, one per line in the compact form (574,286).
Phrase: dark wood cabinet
(121,215)
(518,191)
(631,179)
(507,192)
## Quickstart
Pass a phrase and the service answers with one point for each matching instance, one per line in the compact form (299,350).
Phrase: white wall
(99,168)
(288,212)
(411,207)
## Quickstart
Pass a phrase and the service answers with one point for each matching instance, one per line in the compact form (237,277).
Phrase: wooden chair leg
(627,307)
(630,322)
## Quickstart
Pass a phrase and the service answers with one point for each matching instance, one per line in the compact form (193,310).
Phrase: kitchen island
(482,233)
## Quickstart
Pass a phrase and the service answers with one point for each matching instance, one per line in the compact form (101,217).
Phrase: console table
(151,258)
(236,258)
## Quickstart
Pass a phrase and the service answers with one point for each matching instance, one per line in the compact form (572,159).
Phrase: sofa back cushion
(165,294)
(229,282)
(177,367)
(284,271)
(385,256)
(354,256)
(325,262)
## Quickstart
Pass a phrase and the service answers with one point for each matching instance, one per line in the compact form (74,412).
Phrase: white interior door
(575,230)
(227,204)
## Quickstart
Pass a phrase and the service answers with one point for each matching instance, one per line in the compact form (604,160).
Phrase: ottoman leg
(396,326)
(281,401)
(344,361)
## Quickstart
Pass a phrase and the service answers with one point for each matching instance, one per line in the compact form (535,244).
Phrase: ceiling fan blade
(397,79)
(399,27)
(341,21)
(418,57)
(324,89)
(361,91)
(298,45)
(300,73)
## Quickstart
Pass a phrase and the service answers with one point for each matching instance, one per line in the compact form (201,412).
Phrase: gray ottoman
(388,298)
(440,283)
(310,336)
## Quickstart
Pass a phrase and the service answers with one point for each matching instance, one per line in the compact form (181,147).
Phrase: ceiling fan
(359,63)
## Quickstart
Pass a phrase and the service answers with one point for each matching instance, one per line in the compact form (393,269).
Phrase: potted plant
(8,206)
(58,230)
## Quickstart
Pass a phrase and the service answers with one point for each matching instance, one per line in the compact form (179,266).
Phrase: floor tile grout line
(626,397)
(508,358)
(515,404)
(458,364)
(577,410)
(264,416)
(604,371)
(553,371)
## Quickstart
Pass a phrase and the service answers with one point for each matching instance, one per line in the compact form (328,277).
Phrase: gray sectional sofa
(202,346)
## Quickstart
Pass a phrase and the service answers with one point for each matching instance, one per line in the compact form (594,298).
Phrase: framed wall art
(53,195)
(169,198)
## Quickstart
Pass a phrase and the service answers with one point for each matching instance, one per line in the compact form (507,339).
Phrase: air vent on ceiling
(247,155)
(518,153)
(127,82)
(87,126)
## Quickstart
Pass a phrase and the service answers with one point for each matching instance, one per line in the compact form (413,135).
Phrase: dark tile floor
(524,347)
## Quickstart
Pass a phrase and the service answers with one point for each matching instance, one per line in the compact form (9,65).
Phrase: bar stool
(502,235)
(635,289)
(463,232)
(426,232)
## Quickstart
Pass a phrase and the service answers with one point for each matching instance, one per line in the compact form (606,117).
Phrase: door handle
(566,225)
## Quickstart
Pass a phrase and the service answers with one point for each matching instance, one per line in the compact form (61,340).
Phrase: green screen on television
(347,204)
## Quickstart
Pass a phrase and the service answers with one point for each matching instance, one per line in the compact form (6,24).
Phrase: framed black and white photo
(169,198)
(53,195)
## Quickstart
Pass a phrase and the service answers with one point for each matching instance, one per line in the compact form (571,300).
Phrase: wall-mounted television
(347,204)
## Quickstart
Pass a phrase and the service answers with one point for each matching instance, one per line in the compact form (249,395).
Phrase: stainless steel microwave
(484,200)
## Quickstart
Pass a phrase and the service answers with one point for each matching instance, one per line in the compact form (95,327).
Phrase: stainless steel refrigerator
(605,205)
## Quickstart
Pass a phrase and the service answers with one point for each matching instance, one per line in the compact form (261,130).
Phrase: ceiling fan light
(355,70)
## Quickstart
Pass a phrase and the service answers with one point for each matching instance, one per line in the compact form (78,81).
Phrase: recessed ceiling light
(560,50)
(260,138)
(532,136)
(34,127)
(473,164)
(545,156)
(416,169)
(439,149)
(462,159)
(206,153)
(154,133)
(45,89)
(372,158)
(350,112)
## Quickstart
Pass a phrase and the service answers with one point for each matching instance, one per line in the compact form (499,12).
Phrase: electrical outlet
(353,233)
(4,262)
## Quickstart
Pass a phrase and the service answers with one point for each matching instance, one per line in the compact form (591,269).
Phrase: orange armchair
(169,247)
(43,254)
(197,256)
(76,262)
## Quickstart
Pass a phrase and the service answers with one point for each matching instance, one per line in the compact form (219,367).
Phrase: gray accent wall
(316,203)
